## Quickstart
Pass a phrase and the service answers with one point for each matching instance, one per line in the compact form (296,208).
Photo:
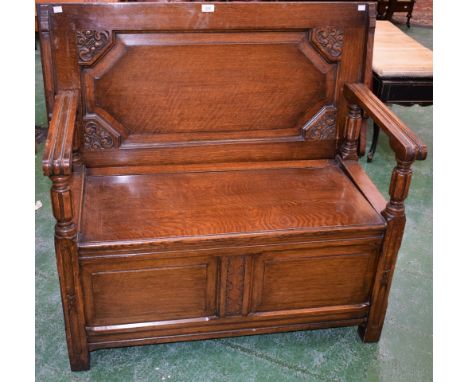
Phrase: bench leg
(66,252)
(394,214)
(375,140)
(77,345)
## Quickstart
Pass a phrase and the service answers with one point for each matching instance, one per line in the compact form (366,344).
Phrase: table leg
(408,17)
(375,139)
(391,9)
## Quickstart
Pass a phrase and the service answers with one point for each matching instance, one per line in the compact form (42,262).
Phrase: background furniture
(386,9)
(402,71)
(200,192)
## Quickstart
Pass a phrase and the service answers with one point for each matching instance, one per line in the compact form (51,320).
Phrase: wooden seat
(205,175)
(316,196)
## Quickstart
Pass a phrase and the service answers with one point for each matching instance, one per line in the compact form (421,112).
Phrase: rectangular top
(397,55)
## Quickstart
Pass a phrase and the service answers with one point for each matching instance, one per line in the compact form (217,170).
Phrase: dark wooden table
(402,71)
(386,9)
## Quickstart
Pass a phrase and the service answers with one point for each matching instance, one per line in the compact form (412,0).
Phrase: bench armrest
(58,151)
(406,144)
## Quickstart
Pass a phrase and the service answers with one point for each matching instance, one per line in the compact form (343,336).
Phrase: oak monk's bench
(204,171)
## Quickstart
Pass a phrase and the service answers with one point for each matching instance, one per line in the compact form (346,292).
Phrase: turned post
(349,149)
(408,148)
(394,214)
(67,265)
(61,155)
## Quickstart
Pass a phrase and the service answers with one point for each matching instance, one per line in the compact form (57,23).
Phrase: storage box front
(312,278)
(167,292)
(149,291)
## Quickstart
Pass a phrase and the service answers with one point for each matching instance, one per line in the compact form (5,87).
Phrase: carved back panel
(171,84)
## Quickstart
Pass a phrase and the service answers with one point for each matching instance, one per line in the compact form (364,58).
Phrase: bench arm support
(57,163)
(406,144)
(408,148)
(58,151)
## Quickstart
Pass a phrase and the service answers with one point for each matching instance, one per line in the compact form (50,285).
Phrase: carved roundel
(329,40)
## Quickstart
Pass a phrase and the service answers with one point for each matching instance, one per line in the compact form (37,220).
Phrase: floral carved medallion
(322,126)
(329,40)
(90,43)
(97,138)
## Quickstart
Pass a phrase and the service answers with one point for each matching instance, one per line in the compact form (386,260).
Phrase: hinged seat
(313,197)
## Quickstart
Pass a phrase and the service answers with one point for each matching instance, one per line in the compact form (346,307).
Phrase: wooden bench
(204,171)
(402,71)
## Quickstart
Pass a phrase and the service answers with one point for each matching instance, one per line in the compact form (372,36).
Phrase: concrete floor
(404,352)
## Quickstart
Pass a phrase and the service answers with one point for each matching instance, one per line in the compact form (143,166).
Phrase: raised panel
(307,279)
(149,291)
(168,87)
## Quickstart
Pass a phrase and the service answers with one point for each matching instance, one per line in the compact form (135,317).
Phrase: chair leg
(375,140)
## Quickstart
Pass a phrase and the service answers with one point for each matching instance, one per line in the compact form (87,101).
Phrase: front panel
(308,279)
(164,291)
(128,292)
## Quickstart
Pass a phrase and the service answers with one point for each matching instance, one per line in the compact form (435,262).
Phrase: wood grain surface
(204,171)
(214,203)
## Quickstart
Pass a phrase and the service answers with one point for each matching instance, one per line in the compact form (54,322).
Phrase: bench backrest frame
(276,95)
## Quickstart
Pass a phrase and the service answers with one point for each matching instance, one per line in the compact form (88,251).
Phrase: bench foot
(369,335)
(79,362)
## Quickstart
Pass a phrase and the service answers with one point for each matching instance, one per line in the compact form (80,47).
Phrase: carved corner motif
(90,44)
(322,126)
(329,40)
(97,137)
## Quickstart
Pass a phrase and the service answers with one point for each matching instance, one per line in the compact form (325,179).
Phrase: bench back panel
(171,84)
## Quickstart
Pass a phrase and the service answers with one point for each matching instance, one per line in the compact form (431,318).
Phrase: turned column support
(68,270)
(399,189)
(61,158)
(349,149)
(394,214)
(62,207)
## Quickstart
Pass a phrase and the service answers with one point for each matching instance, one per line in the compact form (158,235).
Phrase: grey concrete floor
(404,352)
